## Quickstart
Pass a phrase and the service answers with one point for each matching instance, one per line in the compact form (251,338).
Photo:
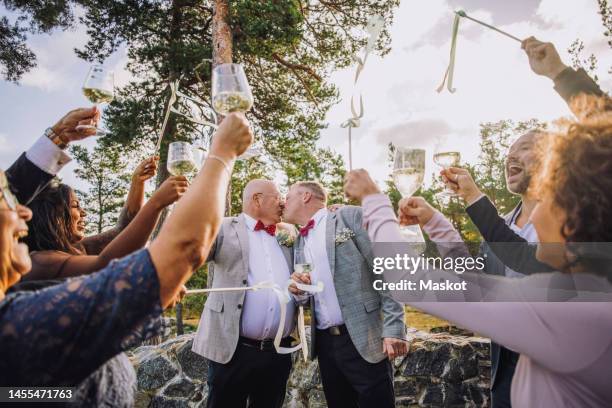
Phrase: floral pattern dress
(60,335)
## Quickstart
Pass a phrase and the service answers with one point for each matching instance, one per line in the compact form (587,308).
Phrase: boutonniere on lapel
(285,234)
(344,235)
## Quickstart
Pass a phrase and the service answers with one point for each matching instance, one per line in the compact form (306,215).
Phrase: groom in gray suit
(237,328)
(356,330)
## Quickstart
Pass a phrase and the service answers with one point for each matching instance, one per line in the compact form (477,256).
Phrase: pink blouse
(566,348)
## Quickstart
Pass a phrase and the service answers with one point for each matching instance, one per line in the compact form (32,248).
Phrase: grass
(413,318)
(422,321)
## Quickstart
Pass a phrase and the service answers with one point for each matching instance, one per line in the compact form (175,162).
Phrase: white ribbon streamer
(450,70)
(374,27)
(174,94)
(282,294)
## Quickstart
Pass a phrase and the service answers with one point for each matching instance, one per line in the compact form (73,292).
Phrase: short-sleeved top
(59,335)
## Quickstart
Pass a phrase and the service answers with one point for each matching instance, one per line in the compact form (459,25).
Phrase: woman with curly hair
(565,347)
(58,245)
(60,335)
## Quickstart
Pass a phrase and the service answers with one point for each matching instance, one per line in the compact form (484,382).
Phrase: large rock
(441,370)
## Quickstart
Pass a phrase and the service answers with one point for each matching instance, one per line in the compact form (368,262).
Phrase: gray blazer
(369,315)
(219,328)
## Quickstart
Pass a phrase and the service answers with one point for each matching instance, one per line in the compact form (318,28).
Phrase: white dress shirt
(327,308)
(261,310)
(47,156)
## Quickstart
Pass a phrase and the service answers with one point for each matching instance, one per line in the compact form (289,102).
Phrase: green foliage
(488,173)
(287,48)
(193,304)
(105,170)
(15,57)
(605,11)
(589,64)
(35,17)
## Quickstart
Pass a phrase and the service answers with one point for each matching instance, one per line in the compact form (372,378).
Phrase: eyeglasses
(276,196)
(6,192)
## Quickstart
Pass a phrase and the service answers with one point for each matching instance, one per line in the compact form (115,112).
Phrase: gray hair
(315,188)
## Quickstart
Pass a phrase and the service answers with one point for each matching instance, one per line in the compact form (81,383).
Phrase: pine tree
(288,49)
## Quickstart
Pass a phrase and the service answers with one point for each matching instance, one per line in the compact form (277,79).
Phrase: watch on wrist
(55,138)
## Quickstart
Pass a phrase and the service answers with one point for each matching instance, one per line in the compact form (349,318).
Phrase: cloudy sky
(492,78)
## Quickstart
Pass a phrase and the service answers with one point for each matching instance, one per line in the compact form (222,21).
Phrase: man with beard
(237,328)
(544,60)
(518,166)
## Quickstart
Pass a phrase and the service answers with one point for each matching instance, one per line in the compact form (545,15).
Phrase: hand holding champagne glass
(446,156)
(301,270)
(408,174)
(231,93)
(99,88)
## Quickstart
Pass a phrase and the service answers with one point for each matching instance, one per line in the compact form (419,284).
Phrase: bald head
(262,200)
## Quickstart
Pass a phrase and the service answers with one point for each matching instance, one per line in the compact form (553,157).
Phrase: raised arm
(513,250)
(545,60)
(554,329)
(147,169)
(135,236)
(90,319)
(187,236)
(548,324)
(34,169)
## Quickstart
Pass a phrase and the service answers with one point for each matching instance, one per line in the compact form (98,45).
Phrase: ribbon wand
(463,14)
(173,87)
(351,123)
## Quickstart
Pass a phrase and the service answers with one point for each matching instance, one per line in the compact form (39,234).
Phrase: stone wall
(441,370)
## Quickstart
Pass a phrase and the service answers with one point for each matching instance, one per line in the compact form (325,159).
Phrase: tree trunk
(221,34)
(222,54)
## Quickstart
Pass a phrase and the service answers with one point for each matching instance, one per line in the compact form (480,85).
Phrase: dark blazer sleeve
(571,82)
(26,179)
(512,249)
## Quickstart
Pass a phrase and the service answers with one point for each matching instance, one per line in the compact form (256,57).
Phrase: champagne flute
(181,161)
(445,156)
(408,174)
(231,93)
(303,263)
(98,88)
(230,89)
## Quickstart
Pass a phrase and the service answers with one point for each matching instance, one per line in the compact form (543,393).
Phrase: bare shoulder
(47,264)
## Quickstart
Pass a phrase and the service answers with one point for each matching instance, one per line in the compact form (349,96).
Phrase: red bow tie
(270,229)
(304,230)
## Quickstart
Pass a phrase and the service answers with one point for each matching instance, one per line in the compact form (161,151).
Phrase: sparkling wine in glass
(181,161)
(230,89)
(446,156)
(98,88)
(303,263)
(408,174)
